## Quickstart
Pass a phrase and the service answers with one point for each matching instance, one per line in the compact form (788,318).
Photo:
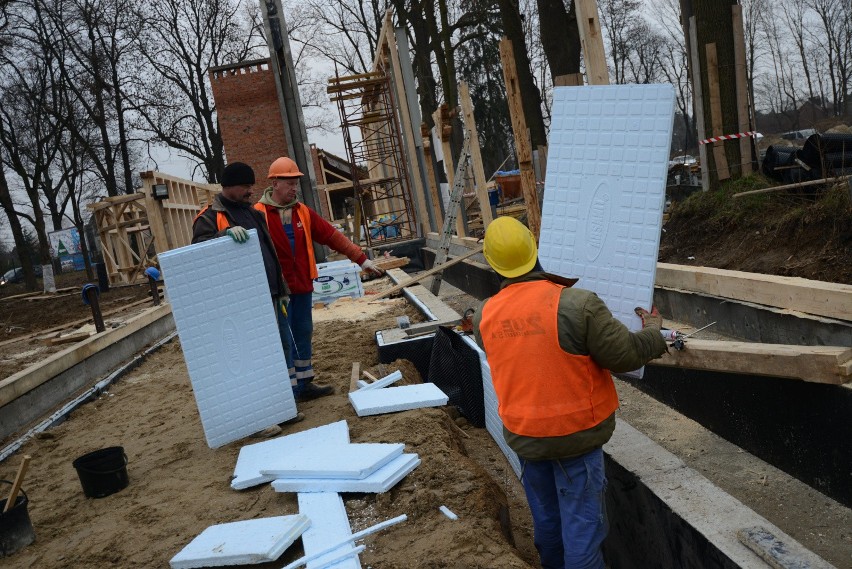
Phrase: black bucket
(16,530)
(102,472)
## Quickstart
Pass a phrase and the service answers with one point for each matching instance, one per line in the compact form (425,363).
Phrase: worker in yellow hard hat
(551,348)
(294,228)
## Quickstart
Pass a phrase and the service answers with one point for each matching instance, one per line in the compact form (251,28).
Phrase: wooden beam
(719,157)
(449,163)
(832,300)
(792,186)
(591,38)
(425,274)
(569,80)
(698,103)
(353,378)
(430,173)
(816,364)
(523,148)
(479,181)
(742,87)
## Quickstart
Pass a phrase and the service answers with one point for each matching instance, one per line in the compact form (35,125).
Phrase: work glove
(238,234)
(649,319)
(283,301)
(369,265)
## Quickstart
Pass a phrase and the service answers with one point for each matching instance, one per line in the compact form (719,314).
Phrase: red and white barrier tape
(728,137)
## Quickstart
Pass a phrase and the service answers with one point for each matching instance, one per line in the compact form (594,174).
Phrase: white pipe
(447,512)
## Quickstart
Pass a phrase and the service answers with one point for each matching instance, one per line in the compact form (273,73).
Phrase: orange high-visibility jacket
(542,390)
(278,237)
(222,222)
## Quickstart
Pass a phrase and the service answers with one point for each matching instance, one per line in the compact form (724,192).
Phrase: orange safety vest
(542,391)
(221,221)
(306,225)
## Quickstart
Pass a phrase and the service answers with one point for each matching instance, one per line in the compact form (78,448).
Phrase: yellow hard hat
(509,247)
(284,168)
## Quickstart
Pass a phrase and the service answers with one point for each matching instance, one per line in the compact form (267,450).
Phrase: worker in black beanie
(231,213)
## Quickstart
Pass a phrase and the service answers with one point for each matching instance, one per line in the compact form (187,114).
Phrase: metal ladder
(451,214)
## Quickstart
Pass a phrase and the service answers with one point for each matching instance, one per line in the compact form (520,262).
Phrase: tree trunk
(714,25)
(17,232)
(427,87)
(513,29)
(560,37)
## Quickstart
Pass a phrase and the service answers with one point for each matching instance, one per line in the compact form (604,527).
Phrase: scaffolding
(380,178)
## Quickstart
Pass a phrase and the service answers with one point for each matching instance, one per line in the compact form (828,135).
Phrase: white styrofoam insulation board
(602,213)
(226,324)
(253,457)
(241,543)
(493,423)
(333,461)
(378,482)
(393,399)
(384,381)
(329,525)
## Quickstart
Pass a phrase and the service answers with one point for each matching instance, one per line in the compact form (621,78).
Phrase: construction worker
(231,214)
(551,349)
(294,227)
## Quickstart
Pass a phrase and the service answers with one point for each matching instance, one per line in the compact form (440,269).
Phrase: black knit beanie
(237,174)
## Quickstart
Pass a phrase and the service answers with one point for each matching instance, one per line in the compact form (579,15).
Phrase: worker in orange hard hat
(551,349)
(294,228)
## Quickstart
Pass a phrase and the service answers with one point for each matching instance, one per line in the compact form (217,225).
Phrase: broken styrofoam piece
(354,537)
(241,543)
(237,378)
(329,524)
(385,381)
(361,383)
(378,482)
(333,561)
(602,210)
(393,399)
(333,461)
(253,457)
(447,512)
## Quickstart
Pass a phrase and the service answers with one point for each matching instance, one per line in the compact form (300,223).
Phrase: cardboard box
(337,279)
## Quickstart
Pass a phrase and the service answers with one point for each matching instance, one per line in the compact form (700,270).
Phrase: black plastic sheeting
(455,368)
(823,155)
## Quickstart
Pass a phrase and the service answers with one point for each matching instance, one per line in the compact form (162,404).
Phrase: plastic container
(337,279)
(102,472)
(16,529)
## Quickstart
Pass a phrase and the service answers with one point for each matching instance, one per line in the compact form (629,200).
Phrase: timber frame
(134,227)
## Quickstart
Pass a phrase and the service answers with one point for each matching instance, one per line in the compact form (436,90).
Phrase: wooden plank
(430,173)
(353,379)
(523,147)
(591,38)
(434,307)
(388,263)
(742,87)
(832,300)
(479,180)
(70,338)
(425,274)
(695,62)
(114,200)
(719,157)
(792,186)
(816,364)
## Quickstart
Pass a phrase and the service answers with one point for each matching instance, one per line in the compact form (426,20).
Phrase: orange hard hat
(284,168)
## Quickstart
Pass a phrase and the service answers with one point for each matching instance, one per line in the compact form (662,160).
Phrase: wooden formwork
(134,227)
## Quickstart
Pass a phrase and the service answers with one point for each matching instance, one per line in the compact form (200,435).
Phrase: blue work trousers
(301,324)
(566,498)
(286,341)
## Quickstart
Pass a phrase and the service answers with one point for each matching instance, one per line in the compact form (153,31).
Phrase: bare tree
(179,41)
(617,17)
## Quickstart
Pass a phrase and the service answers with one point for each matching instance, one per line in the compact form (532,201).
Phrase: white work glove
(369,265)
(238,234)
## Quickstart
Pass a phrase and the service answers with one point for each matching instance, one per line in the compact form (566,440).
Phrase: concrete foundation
(30,406)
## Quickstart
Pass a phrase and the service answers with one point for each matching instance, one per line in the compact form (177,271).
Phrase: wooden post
(591,38)
(722,170)
(698,104)
(444,132)
(154,210)
(742,88)
(430,175)
(522,140)
(475,155)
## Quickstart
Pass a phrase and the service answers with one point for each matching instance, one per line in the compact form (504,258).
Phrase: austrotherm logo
(230,348)
(514,327)
(597,221)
